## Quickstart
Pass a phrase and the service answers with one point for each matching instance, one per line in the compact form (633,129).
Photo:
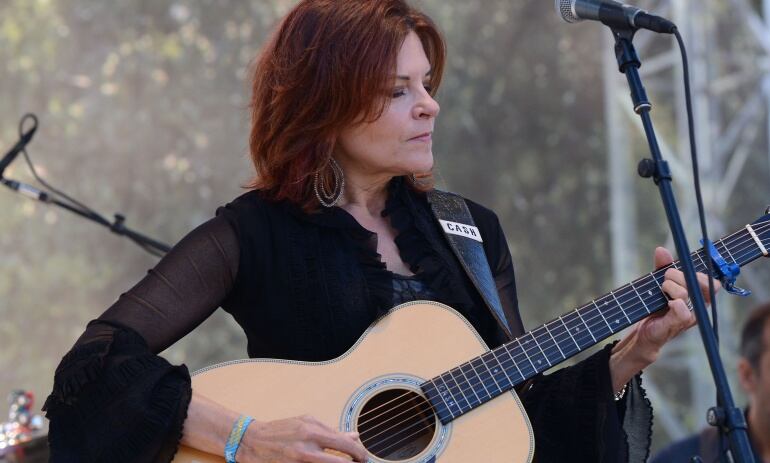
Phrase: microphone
(19,146)
(26,190)
(612,14)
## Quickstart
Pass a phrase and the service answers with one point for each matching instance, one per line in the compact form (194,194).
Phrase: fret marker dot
(649,292)
(539,362)
(617,322)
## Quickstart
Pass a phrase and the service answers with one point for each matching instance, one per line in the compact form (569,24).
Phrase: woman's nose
(427,107)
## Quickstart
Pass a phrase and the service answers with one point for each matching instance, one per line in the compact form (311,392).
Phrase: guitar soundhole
(396,424)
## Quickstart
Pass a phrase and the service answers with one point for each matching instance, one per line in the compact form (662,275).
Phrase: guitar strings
(369,439)
(405,394)
(490,375)
(633,307)
(727,240)
(740,252)
(591,319)
(548,348)
(372,445)
(482,379)
(422,408)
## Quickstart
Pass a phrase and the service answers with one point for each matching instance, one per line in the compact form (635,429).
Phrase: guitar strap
(464,238)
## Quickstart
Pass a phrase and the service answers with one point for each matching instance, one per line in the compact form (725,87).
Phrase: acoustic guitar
(414,384)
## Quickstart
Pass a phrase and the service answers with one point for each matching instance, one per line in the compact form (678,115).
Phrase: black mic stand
(727,417)
(116,227)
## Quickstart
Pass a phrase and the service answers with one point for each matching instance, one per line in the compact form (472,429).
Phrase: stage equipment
(726,416)
(24,139)
(22,437)
(52,197)
(612,14)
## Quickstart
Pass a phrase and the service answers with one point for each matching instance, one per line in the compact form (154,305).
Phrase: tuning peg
(767,211)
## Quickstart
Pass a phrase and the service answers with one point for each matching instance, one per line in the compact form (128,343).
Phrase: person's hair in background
(340,72)
(752,343)
(754,377)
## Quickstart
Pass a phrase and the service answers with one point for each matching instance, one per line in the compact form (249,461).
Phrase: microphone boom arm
(117,226)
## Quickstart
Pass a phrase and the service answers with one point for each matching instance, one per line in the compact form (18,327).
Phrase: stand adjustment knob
(646,168)
(715,416)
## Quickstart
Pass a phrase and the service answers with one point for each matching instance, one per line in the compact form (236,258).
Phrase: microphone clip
(628,64)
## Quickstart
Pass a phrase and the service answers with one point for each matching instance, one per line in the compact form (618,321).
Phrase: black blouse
(305,287)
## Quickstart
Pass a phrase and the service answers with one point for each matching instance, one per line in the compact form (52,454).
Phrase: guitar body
(362,389)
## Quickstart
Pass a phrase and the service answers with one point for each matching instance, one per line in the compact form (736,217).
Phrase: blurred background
(143,111)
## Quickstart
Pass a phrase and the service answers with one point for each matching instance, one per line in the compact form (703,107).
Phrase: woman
(335,231)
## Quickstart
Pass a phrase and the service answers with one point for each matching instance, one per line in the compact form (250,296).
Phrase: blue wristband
(234,439)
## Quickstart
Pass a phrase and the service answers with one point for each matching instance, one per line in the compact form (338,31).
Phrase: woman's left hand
(645,339)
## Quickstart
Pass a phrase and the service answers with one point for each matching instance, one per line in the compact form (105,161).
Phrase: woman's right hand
(299,439)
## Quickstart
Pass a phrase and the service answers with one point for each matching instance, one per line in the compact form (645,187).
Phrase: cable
(696,178)
(87,210)
(701,214)
(55,191)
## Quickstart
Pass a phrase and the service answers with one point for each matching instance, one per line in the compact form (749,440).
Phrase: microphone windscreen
(566,10)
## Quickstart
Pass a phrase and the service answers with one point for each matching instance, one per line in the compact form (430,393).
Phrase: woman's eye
(401,91)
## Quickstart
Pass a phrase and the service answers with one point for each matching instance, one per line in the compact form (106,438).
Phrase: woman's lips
(424,137)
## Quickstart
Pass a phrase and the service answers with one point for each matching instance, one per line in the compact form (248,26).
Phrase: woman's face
(396,144)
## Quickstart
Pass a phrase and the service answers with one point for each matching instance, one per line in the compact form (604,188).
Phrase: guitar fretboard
(485,377)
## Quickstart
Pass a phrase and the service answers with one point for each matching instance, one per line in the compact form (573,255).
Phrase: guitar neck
(483,378)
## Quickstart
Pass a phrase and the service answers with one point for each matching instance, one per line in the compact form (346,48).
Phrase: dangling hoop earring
(330,199)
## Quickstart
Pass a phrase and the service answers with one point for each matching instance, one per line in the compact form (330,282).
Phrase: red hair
(329,65)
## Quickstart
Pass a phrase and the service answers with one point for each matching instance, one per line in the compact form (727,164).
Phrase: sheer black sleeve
(573,411)
(184,288)
(113,398)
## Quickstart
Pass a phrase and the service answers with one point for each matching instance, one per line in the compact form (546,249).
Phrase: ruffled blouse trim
(378,278)
(417,240)
(84,363)
(637,421)
(90,378)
